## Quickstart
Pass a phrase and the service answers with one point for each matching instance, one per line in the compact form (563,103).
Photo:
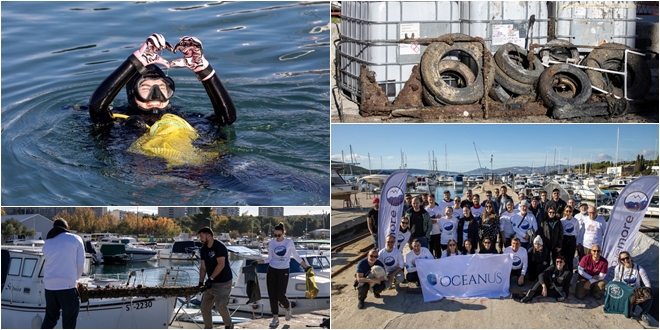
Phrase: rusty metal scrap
(496,110)
(411,94)
(374,101)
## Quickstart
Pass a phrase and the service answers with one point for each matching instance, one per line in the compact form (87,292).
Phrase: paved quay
(310,320)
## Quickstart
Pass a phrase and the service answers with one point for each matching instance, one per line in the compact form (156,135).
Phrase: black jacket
(473,232)
(553,237)
(558,206)
(552,277)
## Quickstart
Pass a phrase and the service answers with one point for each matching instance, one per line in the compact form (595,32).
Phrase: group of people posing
(543,235)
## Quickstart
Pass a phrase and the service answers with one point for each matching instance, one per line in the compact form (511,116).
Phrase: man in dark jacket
(557,203)
(555,282)
(552,232)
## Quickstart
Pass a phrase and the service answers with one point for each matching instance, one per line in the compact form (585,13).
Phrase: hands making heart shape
(190,47)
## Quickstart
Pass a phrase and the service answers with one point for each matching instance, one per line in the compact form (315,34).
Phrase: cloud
(647,153)
(603,157)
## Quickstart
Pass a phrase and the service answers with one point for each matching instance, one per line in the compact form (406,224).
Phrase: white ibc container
(501,22)
(364,23)
(589,22)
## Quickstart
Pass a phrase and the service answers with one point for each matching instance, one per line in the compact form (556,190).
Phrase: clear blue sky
(510,144)
(253,210)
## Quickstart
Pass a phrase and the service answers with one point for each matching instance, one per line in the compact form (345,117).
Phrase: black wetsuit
(99,103)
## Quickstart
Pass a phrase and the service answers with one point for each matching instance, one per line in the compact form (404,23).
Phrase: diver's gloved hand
(148,53)
(193,58)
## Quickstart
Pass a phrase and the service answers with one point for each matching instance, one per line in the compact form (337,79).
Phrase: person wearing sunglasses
(552,232)
(392,258)
(404,235)
(280,252)
(592,271)
(635,276)
(362,280)
(489,227)
(554,282)
(417,252)
(487,246)
(149,90)
(571,228)
(452,249)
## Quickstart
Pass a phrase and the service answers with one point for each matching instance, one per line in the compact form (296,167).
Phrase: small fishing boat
(134,252)
(180,250)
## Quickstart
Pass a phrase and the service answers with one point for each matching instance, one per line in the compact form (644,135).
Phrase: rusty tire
(564,84)
(517,69)
(511,85)
(559,50)
(610,56)
(498,93)
(431,67)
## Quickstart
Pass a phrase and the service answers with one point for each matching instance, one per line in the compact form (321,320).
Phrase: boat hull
(126,313)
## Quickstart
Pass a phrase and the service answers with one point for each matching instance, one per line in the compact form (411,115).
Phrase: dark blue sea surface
(273,57)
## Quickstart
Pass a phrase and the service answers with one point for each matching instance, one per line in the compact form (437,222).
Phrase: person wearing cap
(557,203)
(372,220)
(506,225)
(538,258)
(523,224)
(64,255)
(552,232)
(554,281)
(149,90)
(215,266)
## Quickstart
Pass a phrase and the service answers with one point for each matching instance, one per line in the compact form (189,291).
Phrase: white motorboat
(591,192)
(242,256)
(180,250)
(365,186)
(379,178)
(135,253)
(339,188)
(24,302)
(422,186)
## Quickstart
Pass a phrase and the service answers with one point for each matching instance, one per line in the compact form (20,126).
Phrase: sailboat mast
(616,154)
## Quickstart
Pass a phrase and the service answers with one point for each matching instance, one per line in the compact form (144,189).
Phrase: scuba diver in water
(149,90)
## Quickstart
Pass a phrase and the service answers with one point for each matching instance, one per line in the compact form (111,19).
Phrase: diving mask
(152,89)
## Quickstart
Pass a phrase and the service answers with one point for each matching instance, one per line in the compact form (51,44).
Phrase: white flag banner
(390,208)
(626,218)
(469,276)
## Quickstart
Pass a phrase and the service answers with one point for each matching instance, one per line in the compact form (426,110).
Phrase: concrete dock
(301,321)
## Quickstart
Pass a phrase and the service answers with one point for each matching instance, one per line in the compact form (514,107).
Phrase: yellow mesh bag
(171,138)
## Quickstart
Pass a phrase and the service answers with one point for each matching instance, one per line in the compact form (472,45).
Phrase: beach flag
(390,208)
(626,218)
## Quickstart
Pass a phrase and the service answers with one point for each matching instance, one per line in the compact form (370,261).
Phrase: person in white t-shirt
(435,213)
(417,252)
(580,216)
(403,237)
(447,201)
(393,261)
(452,249)
(477,210)
(592,231)
(506,224)
(448,225)
(519,263)
(522,223)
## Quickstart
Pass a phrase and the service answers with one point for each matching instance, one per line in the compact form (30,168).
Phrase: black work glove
(208,284)
(201,286)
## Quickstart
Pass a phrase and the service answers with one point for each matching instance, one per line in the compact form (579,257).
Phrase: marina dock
(301,321)
(407,309)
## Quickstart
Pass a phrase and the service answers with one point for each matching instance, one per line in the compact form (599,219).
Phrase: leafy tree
(13,227)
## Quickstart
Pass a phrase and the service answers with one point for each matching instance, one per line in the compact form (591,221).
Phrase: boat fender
(36,322)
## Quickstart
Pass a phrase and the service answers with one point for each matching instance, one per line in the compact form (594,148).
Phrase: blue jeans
(646,306)
(65,300)
(375,239)
(422,239)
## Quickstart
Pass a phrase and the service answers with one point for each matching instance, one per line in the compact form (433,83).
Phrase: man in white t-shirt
(435,213)
(591,232)
(477,209)
(519,263)
(522,222)
(447,201)
(392,258)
